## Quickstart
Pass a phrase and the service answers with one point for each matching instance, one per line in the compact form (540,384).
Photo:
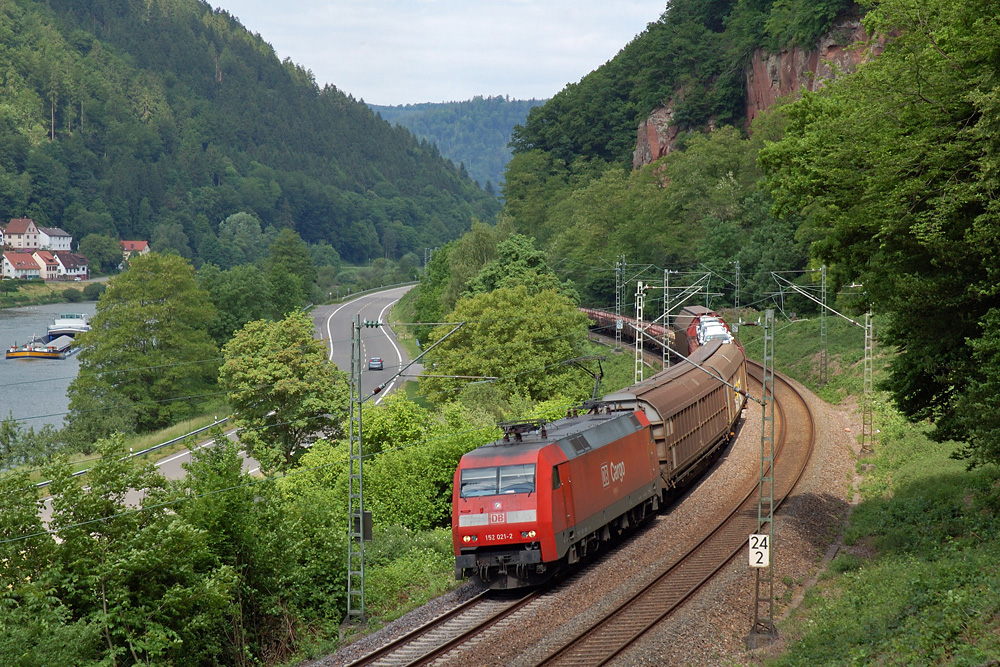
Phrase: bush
(93,291)
(72,295)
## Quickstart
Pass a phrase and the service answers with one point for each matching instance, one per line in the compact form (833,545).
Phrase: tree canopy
(895,168)
(283,390)
(148,359)
(519,337)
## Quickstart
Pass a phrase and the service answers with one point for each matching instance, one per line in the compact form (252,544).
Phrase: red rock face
(769,77)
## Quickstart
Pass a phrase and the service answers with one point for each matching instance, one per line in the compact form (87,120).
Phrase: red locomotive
(548,494)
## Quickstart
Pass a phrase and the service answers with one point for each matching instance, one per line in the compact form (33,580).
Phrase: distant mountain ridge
(473,133)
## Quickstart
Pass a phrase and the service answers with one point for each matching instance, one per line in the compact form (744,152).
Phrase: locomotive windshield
(496,480)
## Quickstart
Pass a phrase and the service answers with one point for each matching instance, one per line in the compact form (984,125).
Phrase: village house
(21,234)
(72,266)
(47,265)
(20,265)
(54,239)
(130,248)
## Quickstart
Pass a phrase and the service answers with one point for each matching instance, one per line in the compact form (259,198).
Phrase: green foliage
(894,170)
(921,586)
(148,346)
(518,337)
(23,445)
(103,252)
(289,257)
(145,581)
(93,291)
(801,22)
(72,295)
(474,133)
(408,569)
(282,388)
(518,262)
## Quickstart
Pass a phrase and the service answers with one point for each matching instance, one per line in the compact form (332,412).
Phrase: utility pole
(761,543)
(822,329)
(359,521)
(665,350)
(736,298)
(867,421)
(640,299)
(619,298)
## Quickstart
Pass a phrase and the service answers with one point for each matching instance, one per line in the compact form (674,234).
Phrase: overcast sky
(407,51)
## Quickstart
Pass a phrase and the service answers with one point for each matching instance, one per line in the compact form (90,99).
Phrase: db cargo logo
(612,472)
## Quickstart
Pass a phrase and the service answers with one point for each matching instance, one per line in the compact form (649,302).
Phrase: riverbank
(37,293)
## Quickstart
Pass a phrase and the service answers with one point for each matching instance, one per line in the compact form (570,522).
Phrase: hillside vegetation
(158,120)
(473,134)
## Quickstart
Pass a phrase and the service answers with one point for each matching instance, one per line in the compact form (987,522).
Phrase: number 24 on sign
(760,550)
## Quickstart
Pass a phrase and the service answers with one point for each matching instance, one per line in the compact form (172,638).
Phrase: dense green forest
(157,120)
(474,133)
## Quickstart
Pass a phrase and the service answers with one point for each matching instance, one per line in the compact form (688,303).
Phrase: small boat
(68,324)
(36,349)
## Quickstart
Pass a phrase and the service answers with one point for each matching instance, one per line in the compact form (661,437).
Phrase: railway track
(607,637)
(451,634)
(457,626)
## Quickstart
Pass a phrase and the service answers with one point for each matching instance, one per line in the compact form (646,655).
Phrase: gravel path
(712,628)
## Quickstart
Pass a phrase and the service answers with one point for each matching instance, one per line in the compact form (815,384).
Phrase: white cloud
(406,51)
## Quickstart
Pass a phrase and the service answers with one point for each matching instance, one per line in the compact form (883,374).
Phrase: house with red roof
(130,248)
(21,234)
(47,265)
(20,265)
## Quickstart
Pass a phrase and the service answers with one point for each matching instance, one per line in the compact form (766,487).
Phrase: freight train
(547,494)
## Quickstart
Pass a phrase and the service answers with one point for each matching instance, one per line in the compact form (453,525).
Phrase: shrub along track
(476,632)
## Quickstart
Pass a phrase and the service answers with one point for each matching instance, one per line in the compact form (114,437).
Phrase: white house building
(54,239)
(20,265)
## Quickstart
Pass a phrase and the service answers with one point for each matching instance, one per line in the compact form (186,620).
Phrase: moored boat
(68,324)
(36,349)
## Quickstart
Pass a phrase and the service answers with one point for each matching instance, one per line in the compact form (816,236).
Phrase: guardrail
(79,473)
(381,288)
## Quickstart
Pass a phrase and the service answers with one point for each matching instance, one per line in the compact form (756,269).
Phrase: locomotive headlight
(527,533)
(470,538)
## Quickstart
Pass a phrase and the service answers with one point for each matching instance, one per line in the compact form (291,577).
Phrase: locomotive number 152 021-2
(499,536)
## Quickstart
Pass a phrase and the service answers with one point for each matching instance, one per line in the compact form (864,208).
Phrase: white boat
(68,324)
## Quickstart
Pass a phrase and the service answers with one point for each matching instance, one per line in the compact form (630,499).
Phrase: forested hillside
(158,120)
(474,133)
(570,184)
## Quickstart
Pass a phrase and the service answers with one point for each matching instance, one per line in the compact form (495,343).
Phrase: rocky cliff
(770,76)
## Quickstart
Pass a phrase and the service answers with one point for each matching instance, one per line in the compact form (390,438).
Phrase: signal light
(373,324)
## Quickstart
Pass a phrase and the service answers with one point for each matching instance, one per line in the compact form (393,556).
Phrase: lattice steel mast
(763,618)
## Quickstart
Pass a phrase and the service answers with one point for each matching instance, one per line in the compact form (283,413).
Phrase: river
(34,390)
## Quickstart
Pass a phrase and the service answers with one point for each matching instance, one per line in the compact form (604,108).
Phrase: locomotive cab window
(476,482)
(517,478)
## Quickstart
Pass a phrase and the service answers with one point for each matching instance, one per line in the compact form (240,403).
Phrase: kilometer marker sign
(760,550)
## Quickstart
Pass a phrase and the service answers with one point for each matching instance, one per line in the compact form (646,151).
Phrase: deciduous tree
(148,349)
(520,337)
(284,391)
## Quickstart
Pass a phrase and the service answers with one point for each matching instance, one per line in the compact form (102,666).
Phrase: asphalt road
(334,324)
